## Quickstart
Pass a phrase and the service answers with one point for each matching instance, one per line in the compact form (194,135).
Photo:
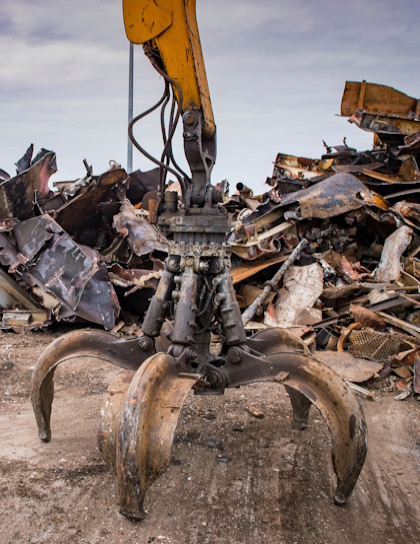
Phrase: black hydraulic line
(146,153)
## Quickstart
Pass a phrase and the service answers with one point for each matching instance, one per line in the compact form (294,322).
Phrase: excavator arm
(169,33)
(196,293)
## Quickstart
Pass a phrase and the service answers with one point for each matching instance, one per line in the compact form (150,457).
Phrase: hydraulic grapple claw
(309,381)
(137,427)
(142,407)
(97,344)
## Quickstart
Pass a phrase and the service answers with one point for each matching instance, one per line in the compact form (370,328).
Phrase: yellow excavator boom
(171,27)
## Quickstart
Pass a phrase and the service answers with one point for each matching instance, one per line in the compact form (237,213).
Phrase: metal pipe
(130,107)
(270,285)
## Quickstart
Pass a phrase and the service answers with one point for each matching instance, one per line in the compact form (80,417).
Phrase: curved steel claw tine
(301,407)
(102,345)
(312,382)
(146,430)
(342,413)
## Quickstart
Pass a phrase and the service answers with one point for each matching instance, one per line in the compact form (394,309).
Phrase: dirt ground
(233,478)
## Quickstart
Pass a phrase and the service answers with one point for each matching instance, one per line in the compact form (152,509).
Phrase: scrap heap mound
(87,249)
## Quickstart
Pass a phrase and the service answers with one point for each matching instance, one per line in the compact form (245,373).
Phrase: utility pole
(130,108)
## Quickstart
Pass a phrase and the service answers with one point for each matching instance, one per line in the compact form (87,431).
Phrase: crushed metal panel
(390,266)
(301,168)
(257,244)
(348,367)
(25,161)
(269,211)
(140,183)
(302,286)
(391,129)
(72,273)
(381,109)
(409,169)
(24,320)
(246,270)
(8,252)
(333,196)
(83,208)
(378,99)
(99,302)
(142,237)
(13,294)
(19,195)
(4,176)
(32,235)
(134,277)
(20,312)
(409,210)
(411,144)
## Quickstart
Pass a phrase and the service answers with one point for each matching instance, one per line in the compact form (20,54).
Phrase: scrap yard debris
(330,251)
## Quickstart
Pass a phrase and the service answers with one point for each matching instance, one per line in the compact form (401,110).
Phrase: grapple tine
(343,415)
(311,381)
(146,429)
(301,407)
(110,415)
(85,343)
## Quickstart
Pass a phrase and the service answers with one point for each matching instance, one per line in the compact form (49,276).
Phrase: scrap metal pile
(330,251)
(78,250)
(355,295)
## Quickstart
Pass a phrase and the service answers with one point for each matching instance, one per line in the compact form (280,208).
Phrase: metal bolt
(203,266)
(173,264)
(234,356)
(189,119)
(145,343)
(192,355)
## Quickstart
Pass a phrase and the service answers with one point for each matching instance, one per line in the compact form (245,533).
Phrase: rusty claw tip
(45,436)
(340,499)
(138,515)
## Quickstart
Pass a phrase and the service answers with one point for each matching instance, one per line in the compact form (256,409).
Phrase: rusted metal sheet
(140,183)
(273,283)
(248,269)
(388,128)
(8,252)
(254,244)
(380,109)
(133,277)
(348,367)
(56,264)
(299,168)
(19,311)
(20,194)
(378,99)
(333,196)
(409,210)
(142,237)
(390,265)
(302,286)
(85,216)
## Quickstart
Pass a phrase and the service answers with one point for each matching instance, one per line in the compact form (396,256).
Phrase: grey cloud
(276,71)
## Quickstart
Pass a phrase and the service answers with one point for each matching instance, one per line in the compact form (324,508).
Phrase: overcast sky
(276,71)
